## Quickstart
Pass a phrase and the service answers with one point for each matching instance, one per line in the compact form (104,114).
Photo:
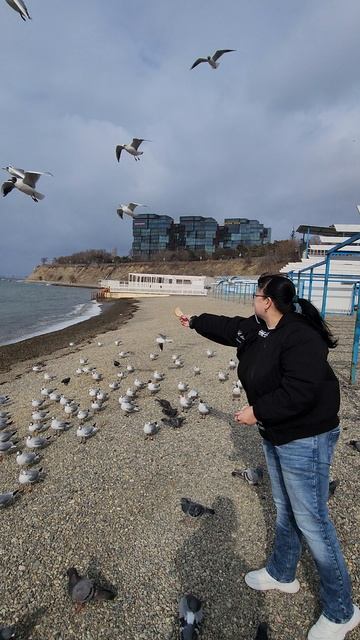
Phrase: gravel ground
(111,507)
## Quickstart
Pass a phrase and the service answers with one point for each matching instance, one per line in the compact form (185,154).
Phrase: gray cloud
(273,134)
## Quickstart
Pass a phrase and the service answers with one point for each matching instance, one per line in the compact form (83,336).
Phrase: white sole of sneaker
(285,587)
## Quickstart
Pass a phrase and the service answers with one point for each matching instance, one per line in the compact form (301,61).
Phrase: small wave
(83,312)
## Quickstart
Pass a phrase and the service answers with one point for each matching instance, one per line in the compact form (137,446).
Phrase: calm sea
(28,310)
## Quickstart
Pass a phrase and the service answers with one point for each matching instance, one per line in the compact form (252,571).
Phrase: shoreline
(114,314)
(63,284)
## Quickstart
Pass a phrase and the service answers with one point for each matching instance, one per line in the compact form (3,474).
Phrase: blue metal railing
(356,340)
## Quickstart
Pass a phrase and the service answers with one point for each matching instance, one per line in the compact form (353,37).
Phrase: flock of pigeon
(25,181)
(57,413)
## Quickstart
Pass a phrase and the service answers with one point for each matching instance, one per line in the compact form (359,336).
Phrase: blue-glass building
(198,233)
(243,231)
(154,233)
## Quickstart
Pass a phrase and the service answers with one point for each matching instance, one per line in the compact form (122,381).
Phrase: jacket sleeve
(304,366)
(219,329)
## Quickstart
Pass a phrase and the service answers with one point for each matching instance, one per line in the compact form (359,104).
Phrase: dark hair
(283,294)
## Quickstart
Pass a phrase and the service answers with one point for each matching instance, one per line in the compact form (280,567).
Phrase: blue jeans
(299,474)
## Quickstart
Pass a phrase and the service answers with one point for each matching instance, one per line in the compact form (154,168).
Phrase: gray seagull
(20,7)
(212,60)
(132,148)
(24,181)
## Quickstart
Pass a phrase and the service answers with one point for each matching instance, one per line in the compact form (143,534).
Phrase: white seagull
(24,181)
(131,148)
(128,209)
(212,60)
(20,7)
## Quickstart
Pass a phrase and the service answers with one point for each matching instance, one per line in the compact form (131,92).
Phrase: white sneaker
(261,580)
(324,629)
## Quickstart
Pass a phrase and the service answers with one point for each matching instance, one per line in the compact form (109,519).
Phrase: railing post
(355,349)
(310,284)
(326,282)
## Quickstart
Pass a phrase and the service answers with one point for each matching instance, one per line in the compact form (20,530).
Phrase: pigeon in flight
(132,148)
(20,7)
(262,632)
(212,60)
(128,209)
(252,475)
(190,616)
(24,181)
(194,509)
(83,590)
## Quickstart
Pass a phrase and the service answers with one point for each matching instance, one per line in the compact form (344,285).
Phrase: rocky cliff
(83,275)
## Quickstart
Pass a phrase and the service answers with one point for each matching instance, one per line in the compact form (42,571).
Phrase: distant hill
(83,275)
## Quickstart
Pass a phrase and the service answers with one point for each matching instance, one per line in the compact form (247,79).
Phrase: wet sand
(114,313)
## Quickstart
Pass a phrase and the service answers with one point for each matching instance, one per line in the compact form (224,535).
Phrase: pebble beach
(111,507)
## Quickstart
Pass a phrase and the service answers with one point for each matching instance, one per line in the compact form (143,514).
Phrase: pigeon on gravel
(26,458)
(210,353)
(7,498)
(190,616)
(174,422)
(355,444)
(262,632)
(4,400)
(83,590)
(223,376)
(194,509)
(153,356)
(6,633)
(232,364)
(332,487)
(253,475)
(196,371)
(66,381)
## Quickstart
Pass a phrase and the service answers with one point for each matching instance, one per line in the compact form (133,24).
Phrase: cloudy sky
(273,134)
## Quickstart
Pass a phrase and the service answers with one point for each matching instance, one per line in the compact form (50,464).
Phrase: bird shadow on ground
(24,627)
(209,567)
(94,573)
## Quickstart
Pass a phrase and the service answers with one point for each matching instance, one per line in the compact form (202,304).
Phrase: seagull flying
(128,209)
(212,60)
(24,181)
(20,7)
(131,148)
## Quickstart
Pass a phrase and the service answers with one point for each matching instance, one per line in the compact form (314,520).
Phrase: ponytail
(283,294)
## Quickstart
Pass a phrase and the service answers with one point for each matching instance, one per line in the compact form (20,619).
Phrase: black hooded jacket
(284,371)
